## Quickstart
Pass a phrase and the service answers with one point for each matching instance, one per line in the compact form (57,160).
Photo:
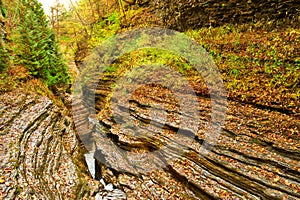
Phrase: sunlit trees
(85,25)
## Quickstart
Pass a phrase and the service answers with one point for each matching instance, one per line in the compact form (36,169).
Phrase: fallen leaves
(2,179)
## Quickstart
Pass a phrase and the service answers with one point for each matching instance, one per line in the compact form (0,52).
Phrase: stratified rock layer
(183,15)
(40,155)
(256,156)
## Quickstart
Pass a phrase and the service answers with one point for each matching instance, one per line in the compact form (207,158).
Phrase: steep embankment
(41,157)
(39,150)
(182,15)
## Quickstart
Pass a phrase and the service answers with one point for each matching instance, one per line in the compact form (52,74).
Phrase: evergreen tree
(4,57)
(37,45)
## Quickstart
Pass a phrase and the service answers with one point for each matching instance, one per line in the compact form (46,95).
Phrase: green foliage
(110,69)
(4,58)
(256,66)
(105,29)
(37,47)
(150,56)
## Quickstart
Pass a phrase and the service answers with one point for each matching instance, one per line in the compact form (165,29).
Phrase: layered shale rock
(143,148)
(41,157)
(183,15)
(39,150)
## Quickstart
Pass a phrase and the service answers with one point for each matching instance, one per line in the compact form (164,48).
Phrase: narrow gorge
(136,130)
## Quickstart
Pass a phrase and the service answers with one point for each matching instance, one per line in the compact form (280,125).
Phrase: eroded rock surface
(41,157)
(256,156)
